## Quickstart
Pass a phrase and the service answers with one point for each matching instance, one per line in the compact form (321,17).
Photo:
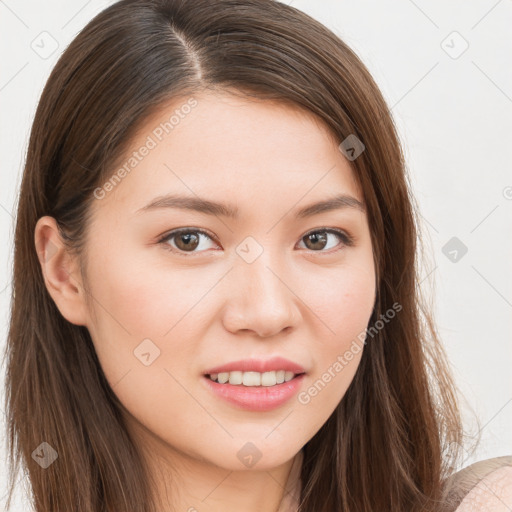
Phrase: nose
(262,299)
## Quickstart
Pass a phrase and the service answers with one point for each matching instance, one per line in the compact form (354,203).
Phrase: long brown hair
(394,437)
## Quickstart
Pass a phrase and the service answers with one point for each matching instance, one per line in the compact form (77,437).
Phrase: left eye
(319,238)
(187,240)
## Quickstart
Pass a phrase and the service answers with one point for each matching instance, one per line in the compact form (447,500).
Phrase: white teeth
(288,376)
(223,377)
(253,378)
(269,379)
(235,377)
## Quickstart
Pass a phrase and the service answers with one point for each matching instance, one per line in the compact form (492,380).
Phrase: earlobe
(60,271)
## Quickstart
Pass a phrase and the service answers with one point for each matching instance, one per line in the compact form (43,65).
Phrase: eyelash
(347,240)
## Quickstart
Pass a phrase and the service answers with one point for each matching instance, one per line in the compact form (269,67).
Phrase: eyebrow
(209,207)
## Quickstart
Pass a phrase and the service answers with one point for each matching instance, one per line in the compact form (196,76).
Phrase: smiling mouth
(253,379)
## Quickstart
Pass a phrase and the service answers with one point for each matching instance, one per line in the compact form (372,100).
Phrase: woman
(215,285)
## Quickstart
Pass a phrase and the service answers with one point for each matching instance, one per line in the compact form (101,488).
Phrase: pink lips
(257,398)
(258,365)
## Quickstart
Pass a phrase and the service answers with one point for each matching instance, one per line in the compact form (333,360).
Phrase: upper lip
(258,365)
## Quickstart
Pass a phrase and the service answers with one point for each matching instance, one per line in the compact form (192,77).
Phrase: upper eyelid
(177,231)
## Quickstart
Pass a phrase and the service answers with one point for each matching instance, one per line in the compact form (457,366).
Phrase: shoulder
(483,486)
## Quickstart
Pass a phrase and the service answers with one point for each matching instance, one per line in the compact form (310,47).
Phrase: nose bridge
(259,269)
(262,277)
(264,301)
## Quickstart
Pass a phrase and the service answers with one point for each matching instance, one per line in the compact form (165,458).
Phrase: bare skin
(298,299)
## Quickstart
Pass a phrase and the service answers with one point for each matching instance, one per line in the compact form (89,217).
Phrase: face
(267,282)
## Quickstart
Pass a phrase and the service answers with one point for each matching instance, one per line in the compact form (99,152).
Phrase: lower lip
(257,398)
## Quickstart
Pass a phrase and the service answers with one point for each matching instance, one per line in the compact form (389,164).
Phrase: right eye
(185,240)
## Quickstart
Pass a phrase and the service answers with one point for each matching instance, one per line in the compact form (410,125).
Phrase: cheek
(145,312)
(145,300)
(343,303)
(342,299)
(147,309)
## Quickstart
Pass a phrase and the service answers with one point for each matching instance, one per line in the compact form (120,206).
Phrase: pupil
(316,238)
(189,242)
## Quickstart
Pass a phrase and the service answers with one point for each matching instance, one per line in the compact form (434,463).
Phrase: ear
(61,272)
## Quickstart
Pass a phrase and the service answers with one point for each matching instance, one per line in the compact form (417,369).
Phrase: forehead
(218,145)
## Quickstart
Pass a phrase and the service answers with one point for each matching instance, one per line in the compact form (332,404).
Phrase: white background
(454,119)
